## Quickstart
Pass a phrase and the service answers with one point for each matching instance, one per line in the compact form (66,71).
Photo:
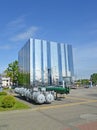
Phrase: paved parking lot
(77,111)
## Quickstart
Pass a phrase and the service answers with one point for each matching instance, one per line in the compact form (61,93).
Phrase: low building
(5,81)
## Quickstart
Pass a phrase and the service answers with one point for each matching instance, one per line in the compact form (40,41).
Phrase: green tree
(12,72)
(85,82)
(82,82)
(93,78)
(24,79)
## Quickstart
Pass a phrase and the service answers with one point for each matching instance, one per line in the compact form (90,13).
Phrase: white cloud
(18,29)
(26,34)
(5,47)
(15,26)
(16,22)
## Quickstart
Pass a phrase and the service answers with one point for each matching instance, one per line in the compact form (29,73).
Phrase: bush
(3,93)
(8,101)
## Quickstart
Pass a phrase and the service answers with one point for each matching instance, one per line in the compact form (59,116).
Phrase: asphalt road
(77,111)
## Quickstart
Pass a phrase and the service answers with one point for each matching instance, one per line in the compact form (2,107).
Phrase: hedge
(8,101)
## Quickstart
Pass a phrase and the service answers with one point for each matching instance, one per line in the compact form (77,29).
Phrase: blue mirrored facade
(45,63)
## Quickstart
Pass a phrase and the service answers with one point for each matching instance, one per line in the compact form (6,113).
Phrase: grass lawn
(18,105)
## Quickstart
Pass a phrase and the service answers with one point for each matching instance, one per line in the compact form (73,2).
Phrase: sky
(67,21)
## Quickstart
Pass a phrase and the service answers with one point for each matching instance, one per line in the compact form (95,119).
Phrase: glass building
(45,63)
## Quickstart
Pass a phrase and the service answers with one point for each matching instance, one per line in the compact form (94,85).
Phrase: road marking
(54,106)
(62,105)
(78,98)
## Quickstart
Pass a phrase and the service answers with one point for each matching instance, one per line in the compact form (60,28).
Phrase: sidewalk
(86,126)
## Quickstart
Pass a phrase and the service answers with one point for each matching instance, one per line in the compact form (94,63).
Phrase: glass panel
(63,60)
(54,62)
(70,60)
(45,70)
(38,78)
(24,67)
(59,63)
(49,64)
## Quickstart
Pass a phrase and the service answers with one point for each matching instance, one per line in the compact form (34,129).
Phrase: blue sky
(68,21)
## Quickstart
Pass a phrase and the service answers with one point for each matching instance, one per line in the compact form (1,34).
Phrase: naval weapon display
(42,95)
